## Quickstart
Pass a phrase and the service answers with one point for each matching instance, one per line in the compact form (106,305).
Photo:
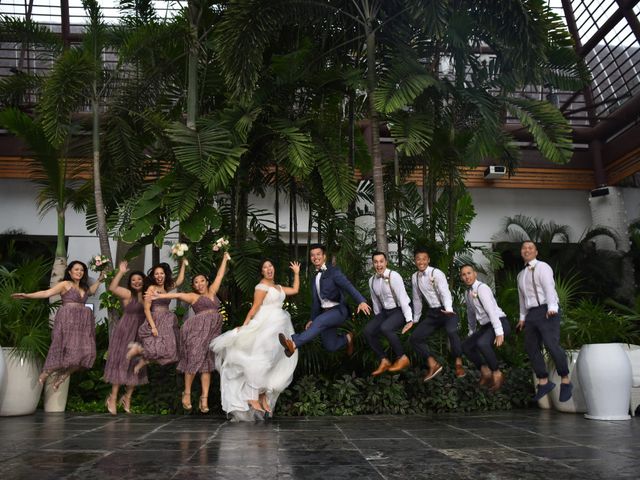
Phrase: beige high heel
(205,408)
(111,405)
(125,403)
(187,405)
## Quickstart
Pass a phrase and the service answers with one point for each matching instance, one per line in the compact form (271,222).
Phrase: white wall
(492,205)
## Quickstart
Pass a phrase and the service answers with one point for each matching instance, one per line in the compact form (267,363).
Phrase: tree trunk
(378,176)
(60,260)
(192,73)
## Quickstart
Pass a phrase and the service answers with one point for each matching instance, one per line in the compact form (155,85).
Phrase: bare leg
(255,404)
(135,349)
(111,399)
(264,402)
(140,365)
(62,376)
(186,395)
(125,400)
(205,382)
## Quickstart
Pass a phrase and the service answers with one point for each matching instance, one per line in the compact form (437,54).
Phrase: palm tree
(59,181)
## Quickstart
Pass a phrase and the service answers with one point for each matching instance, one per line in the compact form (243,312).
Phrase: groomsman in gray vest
(540,320)
(430,284)
(392,311)
(488,326)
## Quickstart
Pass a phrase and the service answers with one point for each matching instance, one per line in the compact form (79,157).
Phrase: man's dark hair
(420,250)
(376,253)
(318,245)
(472,267)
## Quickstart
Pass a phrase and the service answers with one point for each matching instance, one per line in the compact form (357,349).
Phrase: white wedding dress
(251,360)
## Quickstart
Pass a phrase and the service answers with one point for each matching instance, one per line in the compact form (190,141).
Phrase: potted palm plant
(24,336)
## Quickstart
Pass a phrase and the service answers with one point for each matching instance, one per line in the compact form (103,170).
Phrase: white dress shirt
(324,303)
(482,308)
(536,287)
(432,283)
(387,291)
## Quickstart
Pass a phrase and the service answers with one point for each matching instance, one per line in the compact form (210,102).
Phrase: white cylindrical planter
(604,371)
(56,401)
(577,403)
(22,390)
(3,373)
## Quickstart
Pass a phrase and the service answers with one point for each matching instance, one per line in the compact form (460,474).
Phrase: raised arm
(295,267)
(215,286)
(147,310)
(190,298)
(95,285)
(59,289)
(180,280)
(114,286)
(258,298)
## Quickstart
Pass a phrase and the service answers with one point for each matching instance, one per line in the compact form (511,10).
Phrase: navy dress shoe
(566,389)
(543,390)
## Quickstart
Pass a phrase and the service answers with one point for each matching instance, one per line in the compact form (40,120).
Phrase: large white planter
(604,372)
(21,390)
(3,372)
(577,402)
(56,401)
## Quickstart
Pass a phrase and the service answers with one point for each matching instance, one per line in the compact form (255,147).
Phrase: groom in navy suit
(329,308)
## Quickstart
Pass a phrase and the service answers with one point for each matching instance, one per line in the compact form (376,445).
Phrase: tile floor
(523,444)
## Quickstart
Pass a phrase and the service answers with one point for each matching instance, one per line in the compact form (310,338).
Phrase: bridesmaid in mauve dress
(118,369)
(159,334)
(197,333)
(73,338)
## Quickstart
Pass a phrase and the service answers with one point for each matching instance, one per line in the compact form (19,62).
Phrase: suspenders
(393,294)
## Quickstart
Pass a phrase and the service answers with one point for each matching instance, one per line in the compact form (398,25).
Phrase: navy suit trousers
(326,325)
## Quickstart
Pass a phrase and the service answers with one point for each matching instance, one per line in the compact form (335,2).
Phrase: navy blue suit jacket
(332,284)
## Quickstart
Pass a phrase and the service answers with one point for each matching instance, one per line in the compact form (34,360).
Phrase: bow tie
(379,275)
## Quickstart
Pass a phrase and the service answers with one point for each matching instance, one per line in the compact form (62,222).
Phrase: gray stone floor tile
(521,444)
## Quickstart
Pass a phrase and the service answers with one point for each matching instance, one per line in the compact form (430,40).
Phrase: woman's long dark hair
(168,277)
(84,281)
(131,275)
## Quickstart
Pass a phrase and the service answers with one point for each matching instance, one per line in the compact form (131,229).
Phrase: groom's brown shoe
(400,364)
(289,346)
(383,367)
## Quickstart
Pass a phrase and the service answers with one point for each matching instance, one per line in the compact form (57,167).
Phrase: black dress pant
(387,323)
(479,345)
(540,330)
(433,320)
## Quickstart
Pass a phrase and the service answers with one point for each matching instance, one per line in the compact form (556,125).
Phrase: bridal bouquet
(99,263)
(221,244)
(178,250)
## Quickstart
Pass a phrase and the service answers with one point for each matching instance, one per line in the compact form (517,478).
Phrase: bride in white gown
(252,364)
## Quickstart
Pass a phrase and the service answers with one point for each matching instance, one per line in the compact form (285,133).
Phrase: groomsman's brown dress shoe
(349,347)
(460,371)
(498,380)
(433,371)
(383,367)
(400,364)
(289,346)
(485,380)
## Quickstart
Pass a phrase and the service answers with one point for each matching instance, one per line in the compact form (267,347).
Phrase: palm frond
(401,85)
(207,152)
(550,130)
(412,132)
(65,90)
(338,182)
